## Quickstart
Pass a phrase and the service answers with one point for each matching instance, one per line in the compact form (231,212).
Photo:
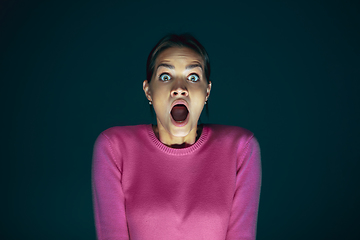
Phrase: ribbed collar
(178,151)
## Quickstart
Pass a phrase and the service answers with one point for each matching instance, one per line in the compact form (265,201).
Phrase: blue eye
(193,77)
(164,77)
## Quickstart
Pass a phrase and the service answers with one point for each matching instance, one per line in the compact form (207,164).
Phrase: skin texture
(175,79)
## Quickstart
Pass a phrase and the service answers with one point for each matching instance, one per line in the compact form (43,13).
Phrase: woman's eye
(194,77)
(165,77)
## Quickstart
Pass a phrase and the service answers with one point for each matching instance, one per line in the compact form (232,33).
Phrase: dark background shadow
(286,70)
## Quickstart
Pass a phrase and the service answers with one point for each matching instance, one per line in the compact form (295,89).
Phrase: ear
(146,89)
(208,89)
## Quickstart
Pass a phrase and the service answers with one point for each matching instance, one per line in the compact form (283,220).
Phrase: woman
(176,179)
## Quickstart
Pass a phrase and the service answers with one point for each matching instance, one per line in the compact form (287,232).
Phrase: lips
(179,113)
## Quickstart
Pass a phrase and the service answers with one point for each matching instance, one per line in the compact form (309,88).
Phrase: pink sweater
(144,190)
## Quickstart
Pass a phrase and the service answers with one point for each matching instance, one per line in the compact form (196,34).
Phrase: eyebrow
(194,66)
(165,65)
(187,67)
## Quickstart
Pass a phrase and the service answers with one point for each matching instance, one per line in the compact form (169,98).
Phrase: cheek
(198,105)
(200,94)
(157,94)
(158,89)
(199,102)
(160,103)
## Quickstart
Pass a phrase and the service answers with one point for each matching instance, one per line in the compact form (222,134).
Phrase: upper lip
(179,101)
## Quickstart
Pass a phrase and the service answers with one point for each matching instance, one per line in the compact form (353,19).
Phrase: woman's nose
(179,91)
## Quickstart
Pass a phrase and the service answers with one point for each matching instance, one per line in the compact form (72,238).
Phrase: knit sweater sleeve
(243,219)
(108,196)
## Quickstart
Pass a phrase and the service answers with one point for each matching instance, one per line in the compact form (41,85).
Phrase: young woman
(176,179)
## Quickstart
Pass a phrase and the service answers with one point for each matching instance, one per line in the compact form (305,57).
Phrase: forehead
(179,55)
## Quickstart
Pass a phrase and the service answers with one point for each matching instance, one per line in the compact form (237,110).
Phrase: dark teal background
(286,70)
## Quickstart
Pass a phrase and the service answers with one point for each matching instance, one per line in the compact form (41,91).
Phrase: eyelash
(160,77)
(163,75)
(198,78)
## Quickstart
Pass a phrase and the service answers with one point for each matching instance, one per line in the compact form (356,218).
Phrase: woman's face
(178,90)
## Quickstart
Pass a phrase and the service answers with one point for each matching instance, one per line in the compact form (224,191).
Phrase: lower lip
(180,124)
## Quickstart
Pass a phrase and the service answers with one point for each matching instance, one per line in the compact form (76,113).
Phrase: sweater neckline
(178,151)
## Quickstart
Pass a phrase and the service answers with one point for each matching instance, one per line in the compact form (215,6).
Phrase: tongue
(179,113)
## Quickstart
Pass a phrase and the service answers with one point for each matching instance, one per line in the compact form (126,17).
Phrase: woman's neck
(185,143)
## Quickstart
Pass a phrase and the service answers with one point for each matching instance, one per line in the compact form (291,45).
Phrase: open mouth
(179,113)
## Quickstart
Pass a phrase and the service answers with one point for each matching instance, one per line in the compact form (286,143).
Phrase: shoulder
(122,133)
(233,136)
(123,130)
(235,140)
(233,132)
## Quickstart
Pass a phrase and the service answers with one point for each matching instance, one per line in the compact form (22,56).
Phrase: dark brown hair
(174,40)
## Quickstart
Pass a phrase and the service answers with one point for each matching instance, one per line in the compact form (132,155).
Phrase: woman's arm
(108,196)
(243,219)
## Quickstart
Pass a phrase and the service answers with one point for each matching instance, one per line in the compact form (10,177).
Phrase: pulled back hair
(174,40)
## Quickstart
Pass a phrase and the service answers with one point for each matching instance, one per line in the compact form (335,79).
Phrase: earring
(150,103)
(205,102)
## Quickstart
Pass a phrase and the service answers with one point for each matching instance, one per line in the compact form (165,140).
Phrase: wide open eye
(194,77)
(164,77)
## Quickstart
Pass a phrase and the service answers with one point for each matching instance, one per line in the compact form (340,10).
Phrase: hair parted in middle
(174,40)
